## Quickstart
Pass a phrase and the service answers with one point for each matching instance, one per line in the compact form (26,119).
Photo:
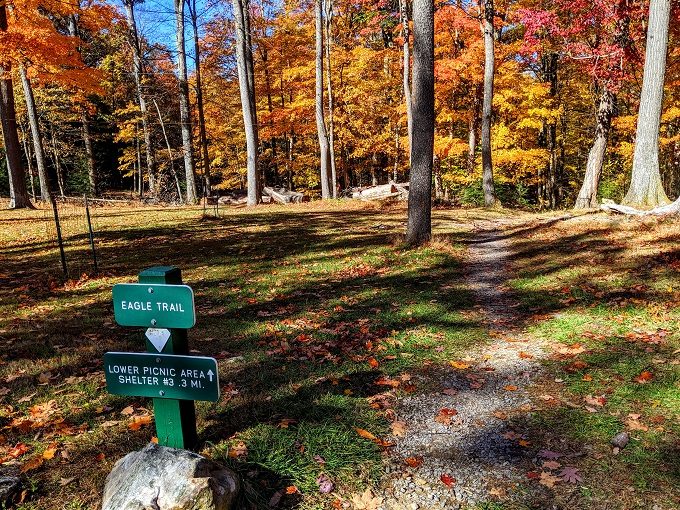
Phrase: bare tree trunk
(587,196)
(184,111)
(91,172)
(29,160)
(32,114)
(419,228)
(199,97)
(246,82)
(329,82)
(406,51)
(397,149)
(324,149)
(646,189)
(138,72)
(489,68)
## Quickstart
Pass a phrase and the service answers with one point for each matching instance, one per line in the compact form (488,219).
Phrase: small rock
(160,477)
(620,440)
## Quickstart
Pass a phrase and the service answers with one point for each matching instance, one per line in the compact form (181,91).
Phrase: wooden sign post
(166,373)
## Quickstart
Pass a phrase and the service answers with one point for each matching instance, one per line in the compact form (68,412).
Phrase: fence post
(59,238)
(91,234)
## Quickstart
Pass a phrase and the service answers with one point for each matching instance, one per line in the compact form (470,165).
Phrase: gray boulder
(160,478)
(10,487)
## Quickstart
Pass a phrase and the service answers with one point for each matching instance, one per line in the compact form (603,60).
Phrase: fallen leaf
(587,378)
(139,421)
(365,434)
(525,355)
(291,489)
(500,415)
(414,462)
(447,480)
(547,454)
(570,474)
(65,481)
(49,453)
(4,391)
(460,365)
(595,401)
(450,392)
(44,377)
(366,501)
(398,428)
(128,411)
(510,387)
(551,464)
(325,484)
(238,450)
(524,443)
(644,377)
(444,416)
(548,479)
(32,464)
(373,363)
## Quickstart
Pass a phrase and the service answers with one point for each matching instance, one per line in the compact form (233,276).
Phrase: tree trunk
(91,172)
(184,112)
(138,72)
(329,85)
(489,65)
(57,164)
(324,149)
(587,197)
(246,82)
(406,52)
(646,189)
(199,98)
(32,114)
(419,228)
(29,160)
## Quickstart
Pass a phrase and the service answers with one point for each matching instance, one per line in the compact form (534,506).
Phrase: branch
(664,210)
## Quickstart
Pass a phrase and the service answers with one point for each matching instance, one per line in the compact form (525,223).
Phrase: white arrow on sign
(158,337)
(210,374)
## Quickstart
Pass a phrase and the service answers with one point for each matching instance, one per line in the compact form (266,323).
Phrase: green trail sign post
(165,372)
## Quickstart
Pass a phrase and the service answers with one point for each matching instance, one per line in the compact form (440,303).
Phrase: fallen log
(380,192)
(284,196)
(664,210)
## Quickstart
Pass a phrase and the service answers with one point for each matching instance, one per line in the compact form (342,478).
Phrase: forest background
(103,85)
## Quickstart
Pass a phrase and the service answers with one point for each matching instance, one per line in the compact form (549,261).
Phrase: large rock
(10,488)
(160,478)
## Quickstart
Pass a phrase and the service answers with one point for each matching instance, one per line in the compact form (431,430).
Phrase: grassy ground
(320,318)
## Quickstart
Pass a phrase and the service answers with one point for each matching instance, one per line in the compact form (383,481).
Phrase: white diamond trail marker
(158,337)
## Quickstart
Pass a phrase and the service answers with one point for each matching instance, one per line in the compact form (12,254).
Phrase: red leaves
(447,480)
(644,377)
(445,416)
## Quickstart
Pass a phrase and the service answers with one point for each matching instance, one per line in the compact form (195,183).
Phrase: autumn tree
(324,146)
(646,188)
(17,179)
(419,228)
(488,14)
(184,109)
(246,80)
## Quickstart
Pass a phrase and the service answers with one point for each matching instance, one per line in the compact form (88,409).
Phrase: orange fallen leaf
(460,365)
(32,464)
(510,387)
(644,377)
(413,462)
(365,434)
(500,415)
(398,428)
(49,453)
(373,363)
(525,355)
(138,421)
(587,378)
(291,489)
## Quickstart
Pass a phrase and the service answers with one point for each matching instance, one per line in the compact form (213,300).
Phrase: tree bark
(32,114)
(329,85)
(587,196)
(246,82)
(138,63)
(91,172)
(489,69)
(324,149)
(199,97)
(170,158)
(184,112)
(419,228)
(406,74)
(646,189)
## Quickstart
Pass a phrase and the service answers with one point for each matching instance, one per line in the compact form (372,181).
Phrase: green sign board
(162,376)
(154,305)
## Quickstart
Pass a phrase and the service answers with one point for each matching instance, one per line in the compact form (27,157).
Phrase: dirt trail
(473,450)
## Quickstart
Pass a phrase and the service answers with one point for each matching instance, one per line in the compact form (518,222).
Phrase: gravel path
(472,449)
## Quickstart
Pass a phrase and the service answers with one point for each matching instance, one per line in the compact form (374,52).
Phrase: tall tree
(419,228)
(138,64)
(645,186)
(184,111)
(328,34)
(322,133)
(587,196)
(193,14)
(487,103)
(17,179)
(246,82)
(406,73)
(36,135)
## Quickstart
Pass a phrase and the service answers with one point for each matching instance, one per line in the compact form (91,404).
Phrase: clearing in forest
(489,369)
